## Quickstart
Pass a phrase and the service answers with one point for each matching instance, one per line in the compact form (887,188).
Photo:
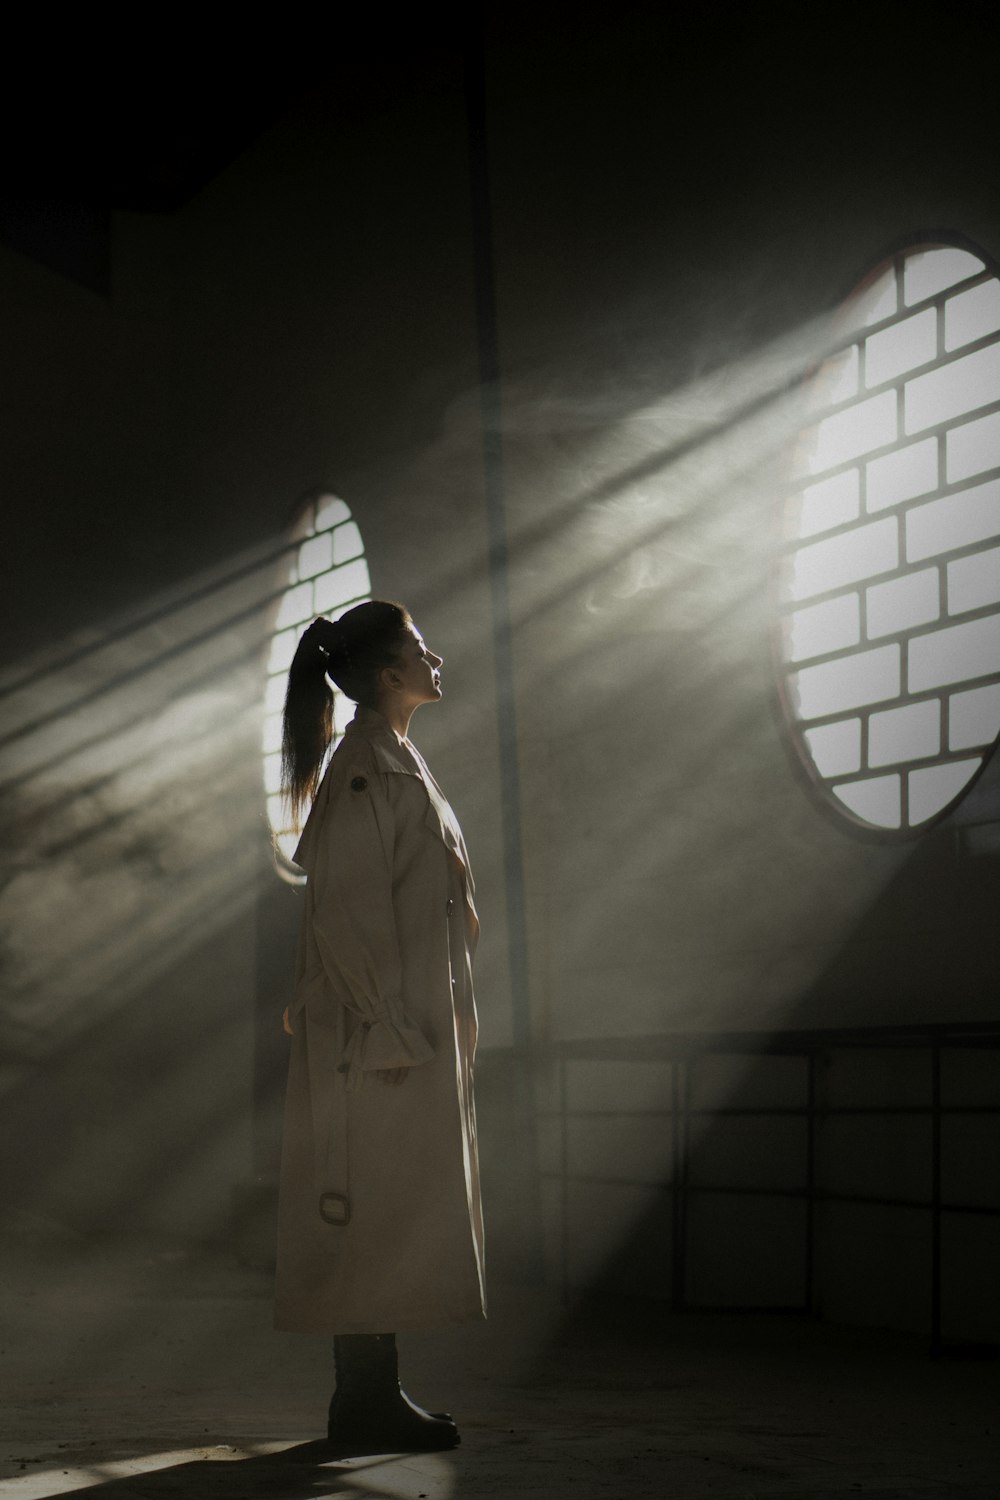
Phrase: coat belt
(328,1098)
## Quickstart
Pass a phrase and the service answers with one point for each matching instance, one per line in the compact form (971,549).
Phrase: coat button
(449,906)
(359,784)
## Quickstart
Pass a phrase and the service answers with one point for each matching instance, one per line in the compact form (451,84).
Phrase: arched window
(327,574)
(888,638)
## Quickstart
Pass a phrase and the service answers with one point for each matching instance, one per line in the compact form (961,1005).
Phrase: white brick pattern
(889,580)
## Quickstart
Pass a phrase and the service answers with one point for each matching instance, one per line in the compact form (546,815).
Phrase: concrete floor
(145,1372)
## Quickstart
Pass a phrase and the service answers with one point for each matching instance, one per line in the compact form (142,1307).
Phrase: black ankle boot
(369,1413)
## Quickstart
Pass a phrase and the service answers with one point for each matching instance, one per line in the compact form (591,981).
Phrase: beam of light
(640,543)
(134,784)
(223,1469)
(136,846)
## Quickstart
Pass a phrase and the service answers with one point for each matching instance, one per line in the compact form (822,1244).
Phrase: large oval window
(327,574)
(888,639)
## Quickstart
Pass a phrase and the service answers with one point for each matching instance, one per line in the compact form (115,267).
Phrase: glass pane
(840,560)
(836,748)
(272,773)
(933,270)
(962,386)
(823,627)
(974,581)
(828,503)
(954,655)
(282,651)
(274,694)
(347,543)
(850,682)
(296,606)
(836,380)
(901,475)
(330,512)
(875,801)
(974,717)
(315,555)
(910,733)
(903,602)
(341,585)
(847,434)
(876,302)
(276,811)
(974,447)
(933,787)
(271,738)
(943,525)
(903,346)
(972,314)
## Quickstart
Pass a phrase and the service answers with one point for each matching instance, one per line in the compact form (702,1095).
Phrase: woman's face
(418,670)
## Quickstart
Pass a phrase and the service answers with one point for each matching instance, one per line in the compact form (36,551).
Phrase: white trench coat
(379,1221)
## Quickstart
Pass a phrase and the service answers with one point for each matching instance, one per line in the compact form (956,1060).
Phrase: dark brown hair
(351,652)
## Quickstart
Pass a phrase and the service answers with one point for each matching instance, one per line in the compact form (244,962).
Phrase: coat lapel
(440,817)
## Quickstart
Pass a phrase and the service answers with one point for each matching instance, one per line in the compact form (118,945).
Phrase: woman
(380,1226)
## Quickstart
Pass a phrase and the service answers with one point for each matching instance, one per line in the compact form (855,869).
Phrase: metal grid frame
(684,1052)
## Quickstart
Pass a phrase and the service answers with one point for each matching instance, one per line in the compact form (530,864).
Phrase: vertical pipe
(498,563)
(811,1063)
(564,1182)
(496,520)
(935,1199)
(678,1107)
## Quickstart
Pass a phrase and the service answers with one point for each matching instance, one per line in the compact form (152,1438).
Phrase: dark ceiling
(143,123)
(143,120)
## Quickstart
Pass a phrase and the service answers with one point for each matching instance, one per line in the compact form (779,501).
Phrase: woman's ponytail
(349,651)
(307,726)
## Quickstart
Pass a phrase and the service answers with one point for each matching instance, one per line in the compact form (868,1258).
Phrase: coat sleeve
(353,924)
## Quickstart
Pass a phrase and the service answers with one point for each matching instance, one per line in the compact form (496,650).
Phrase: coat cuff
(383,1044)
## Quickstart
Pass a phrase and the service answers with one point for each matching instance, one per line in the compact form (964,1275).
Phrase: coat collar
(391,753)
(367,729)
(396,757)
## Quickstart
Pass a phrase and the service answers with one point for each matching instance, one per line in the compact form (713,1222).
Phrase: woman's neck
(396,715)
